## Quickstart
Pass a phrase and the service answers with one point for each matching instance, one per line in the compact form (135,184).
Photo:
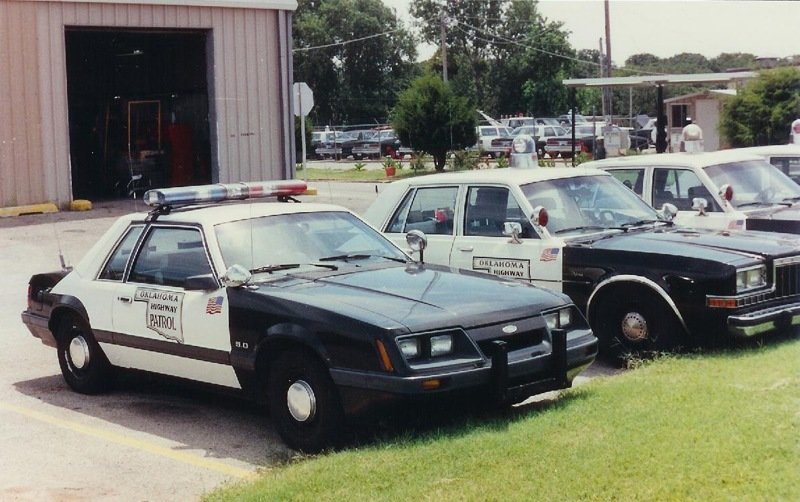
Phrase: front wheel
(83,364)
(304,402)
(636,326)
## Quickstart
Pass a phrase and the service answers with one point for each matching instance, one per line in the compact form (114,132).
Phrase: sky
(668,27)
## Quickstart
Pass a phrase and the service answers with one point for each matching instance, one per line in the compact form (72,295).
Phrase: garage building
(97,92)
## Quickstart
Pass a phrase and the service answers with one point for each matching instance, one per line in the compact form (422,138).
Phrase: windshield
(302,239)
(754,182)
(588,203)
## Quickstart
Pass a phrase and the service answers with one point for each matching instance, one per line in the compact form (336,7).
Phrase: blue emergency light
(220,192)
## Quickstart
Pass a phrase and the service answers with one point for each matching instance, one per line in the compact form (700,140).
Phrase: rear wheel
(633,324)
(83,364)
(304,402)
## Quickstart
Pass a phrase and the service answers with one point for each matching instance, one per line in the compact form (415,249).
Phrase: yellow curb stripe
(183,457)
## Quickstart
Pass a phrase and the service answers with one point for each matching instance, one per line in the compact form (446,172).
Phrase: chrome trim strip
(789,260)
(642,281)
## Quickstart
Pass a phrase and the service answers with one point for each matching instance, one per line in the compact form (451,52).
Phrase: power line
(346,42)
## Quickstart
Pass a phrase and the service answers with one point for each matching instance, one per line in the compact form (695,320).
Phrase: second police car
(302,306)
(729,189)
(643,283)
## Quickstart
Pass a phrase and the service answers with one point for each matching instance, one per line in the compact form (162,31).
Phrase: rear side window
(115,266)
(427,209)
(631,178)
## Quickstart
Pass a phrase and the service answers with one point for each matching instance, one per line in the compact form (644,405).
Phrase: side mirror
(235,277)
(205,282)
(513,229)
(417,241)
(668,211)
(700,204)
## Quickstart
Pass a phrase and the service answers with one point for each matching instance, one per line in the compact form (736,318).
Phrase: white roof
(510,176)
(241,4)
(224,212)
(697,160)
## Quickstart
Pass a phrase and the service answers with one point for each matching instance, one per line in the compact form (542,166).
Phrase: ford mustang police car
(302,306)
(643,283)
(729,189)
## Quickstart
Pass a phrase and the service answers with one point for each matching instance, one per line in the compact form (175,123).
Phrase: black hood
(783,219)
(729,247)
(416,297)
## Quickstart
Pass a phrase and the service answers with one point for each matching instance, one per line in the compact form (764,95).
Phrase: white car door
(162,327)
(480,244)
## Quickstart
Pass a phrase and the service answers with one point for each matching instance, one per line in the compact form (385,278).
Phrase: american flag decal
(214,305)
(549,254)
(736,224)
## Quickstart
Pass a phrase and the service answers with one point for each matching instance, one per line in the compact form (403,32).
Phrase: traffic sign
(303,98)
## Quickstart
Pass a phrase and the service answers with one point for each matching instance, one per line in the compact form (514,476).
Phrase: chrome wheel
(301,401)
(634,327)
(79,354)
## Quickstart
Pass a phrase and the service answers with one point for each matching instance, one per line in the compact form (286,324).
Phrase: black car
(644,284)
(301,306)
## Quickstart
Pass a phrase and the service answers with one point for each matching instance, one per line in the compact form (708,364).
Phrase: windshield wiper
(287,266)
(754,203)
(359,256)
(582,227)
(626,226)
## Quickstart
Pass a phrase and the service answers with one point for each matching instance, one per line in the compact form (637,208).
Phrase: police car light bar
(220,192)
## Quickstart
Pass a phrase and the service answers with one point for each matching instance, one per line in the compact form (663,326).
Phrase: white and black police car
(302,306)
(643,283)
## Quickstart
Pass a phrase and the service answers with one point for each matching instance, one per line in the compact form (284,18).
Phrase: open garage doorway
(138,110)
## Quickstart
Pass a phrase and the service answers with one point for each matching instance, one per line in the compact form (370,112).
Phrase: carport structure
(659,82)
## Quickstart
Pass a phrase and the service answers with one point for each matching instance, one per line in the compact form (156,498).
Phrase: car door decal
(164,312)
(504,267)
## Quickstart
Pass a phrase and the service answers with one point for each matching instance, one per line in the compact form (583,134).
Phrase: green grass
(720,426)
(317,174)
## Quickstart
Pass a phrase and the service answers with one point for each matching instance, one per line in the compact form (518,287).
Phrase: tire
(304,402)
(636,324)
(83,364)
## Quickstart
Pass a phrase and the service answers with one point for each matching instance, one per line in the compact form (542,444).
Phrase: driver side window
(488,208)
(427,209)
(680,187)
(169,256)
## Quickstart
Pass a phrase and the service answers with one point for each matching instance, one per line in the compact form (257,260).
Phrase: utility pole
(603,89)
(443,38)
(608,60)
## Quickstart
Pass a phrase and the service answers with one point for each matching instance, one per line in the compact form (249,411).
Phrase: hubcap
(79,352)
(301,401)
(634,327)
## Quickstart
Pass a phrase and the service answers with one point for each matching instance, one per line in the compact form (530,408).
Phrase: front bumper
(503,378)
(767,320)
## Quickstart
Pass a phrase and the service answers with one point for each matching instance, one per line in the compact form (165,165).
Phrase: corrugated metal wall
(248,94)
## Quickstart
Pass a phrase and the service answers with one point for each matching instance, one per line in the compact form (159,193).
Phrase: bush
(463,160)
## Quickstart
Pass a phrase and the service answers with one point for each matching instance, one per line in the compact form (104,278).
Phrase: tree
(501,54)
(429,117)
(762,112)
(353,82)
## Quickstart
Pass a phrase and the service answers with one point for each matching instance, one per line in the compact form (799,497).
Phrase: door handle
(125,299)
(467,249)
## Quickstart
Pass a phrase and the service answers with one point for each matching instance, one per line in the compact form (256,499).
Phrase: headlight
(751,278)
(441,345)
(409,347)
(560,319)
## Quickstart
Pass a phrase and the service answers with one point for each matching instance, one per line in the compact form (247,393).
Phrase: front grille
(787,276)
(516,341)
